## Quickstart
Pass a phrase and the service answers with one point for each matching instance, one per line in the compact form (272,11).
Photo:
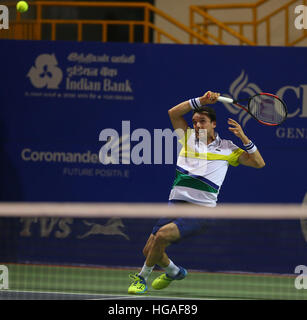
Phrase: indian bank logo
(45,72)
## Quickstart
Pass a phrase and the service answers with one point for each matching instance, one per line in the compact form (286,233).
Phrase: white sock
(146,271)
(172,270)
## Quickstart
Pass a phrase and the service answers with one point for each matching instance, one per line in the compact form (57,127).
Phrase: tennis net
(87,251)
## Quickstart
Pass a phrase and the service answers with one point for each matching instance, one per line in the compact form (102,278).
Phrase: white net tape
(150,210)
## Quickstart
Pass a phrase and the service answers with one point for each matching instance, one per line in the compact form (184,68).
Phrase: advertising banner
(88,121)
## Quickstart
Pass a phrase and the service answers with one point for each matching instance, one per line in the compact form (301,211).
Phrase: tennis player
(201,168)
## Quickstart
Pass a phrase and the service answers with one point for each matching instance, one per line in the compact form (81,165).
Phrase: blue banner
(58,97)
(61,100)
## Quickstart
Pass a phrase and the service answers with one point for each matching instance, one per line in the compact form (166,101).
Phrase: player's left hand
(236,129)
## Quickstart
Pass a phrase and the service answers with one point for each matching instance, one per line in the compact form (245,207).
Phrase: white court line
(145,297)
(104,296)
(52,292)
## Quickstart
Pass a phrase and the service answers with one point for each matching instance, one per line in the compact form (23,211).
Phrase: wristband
(195,104)
(250,147)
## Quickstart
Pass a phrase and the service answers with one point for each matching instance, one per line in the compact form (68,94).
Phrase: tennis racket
(266,108)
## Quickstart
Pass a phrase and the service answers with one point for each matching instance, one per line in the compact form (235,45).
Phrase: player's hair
(209,111)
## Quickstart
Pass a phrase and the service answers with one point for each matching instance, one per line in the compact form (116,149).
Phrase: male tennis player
(200,172)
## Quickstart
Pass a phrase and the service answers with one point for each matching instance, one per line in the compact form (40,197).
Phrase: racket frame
(238,104)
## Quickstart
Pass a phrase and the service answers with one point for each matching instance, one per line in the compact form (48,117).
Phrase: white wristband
(250,147)
(195,103)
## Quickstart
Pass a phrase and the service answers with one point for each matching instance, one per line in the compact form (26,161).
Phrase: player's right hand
(209,98)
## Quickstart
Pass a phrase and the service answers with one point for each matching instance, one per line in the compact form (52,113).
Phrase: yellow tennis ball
(22,6)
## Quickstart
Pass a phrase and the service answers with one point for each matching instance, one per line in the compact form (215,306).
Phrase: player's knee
(167,234)
(162,238)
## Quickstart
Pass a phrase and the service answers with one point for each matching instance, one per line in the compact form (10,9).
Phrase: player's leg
(162,239)
(156,255)
(154,252)
(186,228)
(138,280)
(149,246)
(148,267)
(164,233)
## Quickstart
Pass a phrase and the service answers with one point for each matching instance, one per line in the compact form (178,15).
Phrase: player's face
(202,121)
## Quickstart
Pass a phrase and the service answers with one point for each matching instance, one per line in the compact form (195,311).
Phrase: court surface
(32,282)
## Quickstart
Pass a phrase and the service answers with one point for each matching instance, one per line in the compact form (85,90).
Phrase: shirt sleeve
(233,158)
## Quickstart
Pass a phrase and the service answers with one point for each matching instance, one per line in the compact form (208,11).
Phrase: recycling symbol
(46,72)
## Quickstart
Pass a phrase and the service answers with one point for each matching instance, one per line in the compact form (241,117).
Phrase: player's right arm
(177,113)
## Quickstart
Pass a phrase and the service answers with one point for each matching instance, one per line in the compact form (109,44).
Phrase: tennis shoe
(138,284)
(164,280)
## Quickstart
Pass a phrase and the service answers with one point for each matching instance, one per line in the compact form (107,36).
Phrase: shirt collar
(215,142)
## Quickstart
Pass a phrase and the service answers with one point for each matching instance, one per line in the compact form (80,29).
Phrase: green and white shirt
(201,169)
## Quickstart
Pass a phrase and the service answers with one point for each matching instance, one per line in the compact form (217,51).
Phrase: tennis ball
(22,6)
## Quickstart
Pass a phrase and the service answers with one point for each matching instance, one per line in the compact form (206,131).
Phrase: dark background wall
(116,33)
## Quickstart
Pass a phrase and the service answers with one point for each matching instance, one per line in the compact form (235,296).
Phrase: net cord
(152,210)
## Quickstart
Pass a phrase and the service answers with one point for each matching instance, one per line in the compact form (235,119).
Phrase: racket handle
(224,99)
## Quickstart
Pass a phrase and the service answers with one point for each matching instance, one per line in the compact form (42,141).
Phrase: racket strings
(268,109)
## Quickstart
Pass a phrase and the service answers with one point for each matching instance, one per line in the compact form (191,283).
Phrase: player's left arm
(254,159)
